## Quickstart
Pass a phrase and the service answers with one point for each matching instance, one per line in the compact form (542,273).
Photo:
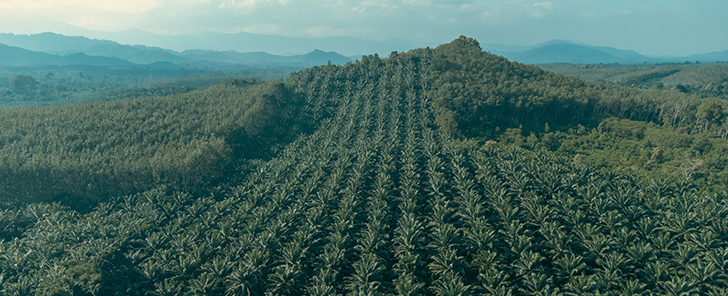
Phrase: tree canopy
(445,171)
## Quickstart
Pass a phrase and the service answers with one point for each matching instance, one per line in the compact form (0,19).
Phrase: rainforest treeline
(34,86)
(438,171)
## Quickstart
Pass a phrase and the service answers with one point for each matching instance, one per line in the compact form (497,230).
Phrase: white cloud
(284,17)
(544,5)
(540,9)
(109,15)
(30,6)
(241,4)
(506,13)
(416,2)
(386,5)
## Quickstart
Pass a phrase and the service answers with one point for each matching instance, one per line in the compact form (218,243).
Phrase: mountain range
(565,51)
(241,41)
(215,49)
(57,49)
(15,56)
(249,42)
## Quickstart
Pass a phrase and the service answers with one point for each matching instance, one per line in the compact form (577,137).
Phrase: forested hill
(475,93)
(391,189)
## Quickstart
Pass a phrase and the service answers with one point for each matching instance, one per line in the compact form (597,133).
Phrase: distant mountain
(54,43)
(208,49)
(249,42)
(565,51)
(621,54)
(355,48)
(498,48)
(15,56)
(57,44)
(718,56)
(83,59)
(242,42)
(624,56)
(316,57)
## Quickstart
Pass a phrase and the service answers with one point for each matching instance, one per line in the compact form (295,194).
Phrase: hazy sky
(652,27)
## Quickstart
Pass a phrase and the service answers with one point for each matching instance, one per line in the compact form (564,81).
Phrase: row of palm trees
(377,202)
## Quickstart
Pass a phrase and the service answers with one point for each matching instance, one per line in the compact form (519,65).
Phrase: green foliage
(86,153)
(379,199)
(647,150)
(24,85)
(33,86)
(711,113)
(512,136)
(474,92)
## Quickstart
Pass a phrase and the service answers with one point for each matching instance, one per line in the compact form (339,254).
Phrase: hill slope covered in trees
(85,153)
(397,191)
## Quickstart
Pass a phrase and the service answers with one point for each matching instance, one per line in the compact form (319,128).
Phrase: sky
(650,27)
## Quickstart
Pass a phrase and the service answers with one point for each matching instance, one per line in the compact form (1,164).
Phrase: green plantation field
(445,171)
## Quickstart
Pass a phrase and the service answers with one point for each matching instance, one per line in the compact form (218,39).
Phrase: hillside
(478,94)
(396,188)
(87,153)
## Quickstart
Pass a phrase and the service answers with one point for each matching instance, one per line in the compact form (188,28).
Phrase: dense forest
(87,152)
(39,85)
(438,171)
